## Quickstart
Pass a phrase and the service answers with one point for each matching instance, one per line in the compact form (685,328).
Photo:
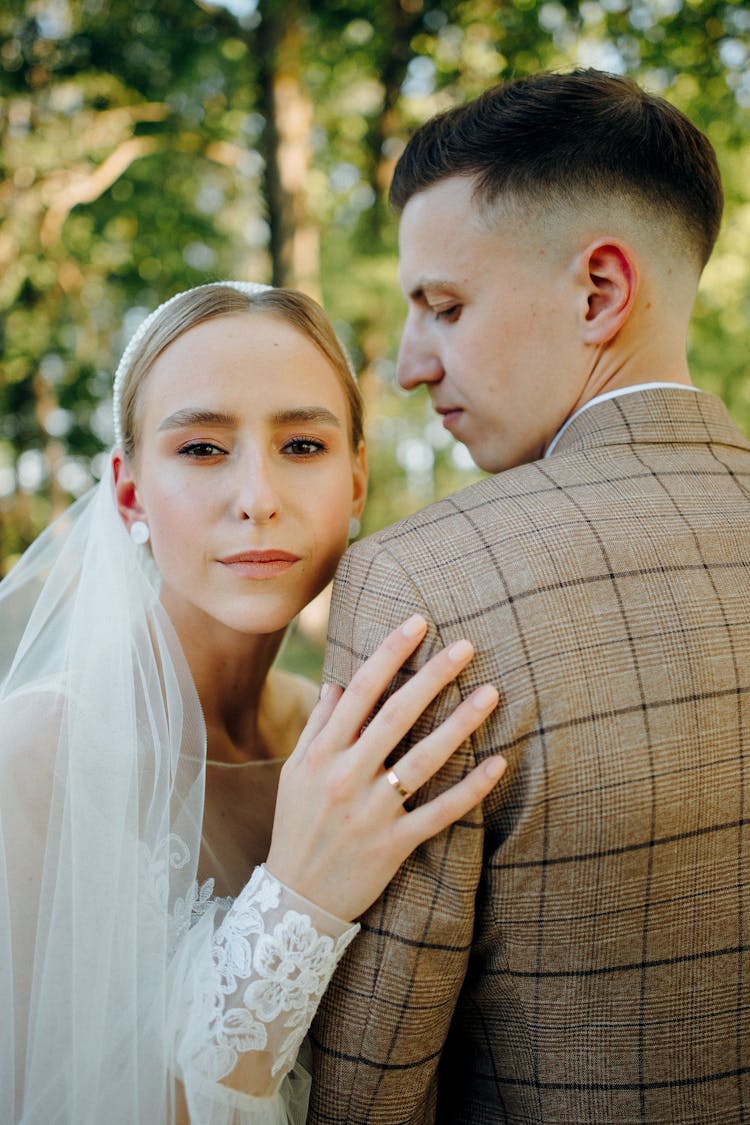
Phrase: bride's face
(245,472)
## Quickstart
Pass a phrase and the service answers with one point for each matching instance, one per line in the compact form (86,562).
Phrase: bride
(164,937)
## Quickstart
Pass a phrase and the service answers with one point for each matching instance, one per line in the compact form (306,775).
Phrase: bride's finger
(319,716)
(371,679)
(401,710)
(427,820)
(424,759)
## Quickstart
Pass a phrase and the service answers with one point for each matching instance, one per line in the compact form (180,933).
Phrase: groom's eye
(450,314)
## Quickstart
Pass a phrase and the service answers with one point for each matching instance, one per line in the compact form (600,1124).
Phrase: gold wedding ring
(395,781)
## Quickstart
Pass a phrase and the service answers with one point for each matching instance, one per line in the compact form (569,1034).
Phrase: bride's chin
(260,621)
(216,624)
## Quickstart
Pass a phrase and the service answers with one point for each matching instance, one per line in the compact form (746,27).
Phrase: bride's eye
(304,447)
(200,449)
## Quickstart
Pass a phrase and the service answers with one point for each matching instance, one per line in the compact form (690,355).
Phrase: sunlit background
(151,145)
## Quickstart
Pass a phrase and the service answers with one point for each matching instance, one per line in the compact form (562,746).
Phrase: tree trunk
(288,110)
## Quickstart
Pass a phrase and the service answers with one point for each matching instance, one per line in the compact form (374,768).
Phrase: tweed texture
(578,949)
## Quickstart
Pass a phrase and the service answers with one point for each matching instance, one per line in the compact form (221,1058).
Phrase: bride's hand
(340,831)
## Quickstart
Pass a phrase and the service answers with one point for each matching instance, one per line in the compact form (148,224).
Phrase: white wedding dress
(128,991)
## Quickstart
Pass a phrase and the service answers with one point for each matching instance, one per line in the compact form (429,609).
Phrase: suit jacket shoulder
(605,884)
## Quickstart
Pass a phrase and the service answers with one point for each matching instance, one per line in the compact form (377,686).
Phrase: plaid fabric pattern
(579,949)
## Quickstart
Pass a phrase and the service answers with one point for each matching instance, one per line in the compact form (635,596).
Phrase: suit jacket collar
(663,416)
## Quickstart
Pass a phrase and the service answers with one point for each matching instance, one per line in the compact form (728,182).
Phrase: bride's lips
(260,564)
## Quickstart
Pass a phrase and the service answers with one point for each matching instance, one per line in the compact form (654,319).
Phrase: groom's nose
(417,361)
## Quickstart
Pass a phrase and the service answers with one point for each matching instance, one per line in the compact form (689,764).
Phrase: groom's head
(552,235)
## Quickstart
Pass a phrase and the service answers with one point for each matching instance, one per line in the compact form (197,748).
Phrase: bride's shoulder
(34,703)
(290,700)
(297,691)
(47,692)
(31,719)
(33,716)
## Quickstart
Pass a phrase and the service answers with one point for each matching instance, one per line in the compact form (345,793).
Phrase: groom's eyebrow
(424,286)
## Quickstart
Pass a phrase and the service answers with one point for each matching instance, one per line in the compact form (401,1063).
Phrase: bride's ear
(126,493)
(359,480)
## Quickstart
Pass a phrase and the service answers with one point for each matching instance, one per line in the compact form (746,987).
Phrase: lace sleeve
(272,955)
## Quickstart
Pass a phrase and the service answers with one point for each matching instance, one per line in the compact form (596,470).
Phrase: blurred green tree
(148,146)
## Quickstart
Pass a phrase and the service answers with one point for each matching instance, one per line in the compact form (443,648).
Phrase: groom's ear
(126,493)
(608,278)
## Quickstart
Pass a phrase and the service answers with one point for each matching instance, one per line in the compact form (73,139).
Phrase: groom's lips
(449,414)
(260,564)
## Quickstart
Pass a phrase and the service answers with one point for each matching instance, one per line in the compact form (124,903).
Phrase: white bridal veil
(103,995)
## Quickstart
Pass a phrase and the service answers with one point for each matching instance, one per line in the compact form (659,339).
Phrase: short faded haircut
(562,139)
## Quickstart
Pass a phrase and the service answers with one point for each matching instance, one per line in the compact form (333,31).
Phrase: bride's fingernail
(495,767)
(461,650)
(414,626)
(324,689)
(484,697)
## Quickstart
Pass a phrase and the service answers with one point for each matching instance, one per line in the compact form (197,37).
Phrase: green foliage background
(150,145)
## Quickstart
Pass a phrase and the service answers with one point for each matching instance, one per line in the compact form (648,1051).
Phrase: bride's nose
(257,497)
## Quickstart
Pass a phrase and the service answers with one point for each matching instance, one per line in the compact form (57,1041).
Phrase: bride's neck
(230,673)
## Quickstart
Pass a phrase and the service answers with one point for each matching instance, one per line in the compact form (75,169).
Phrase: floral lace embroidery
(278,971)
(155,874)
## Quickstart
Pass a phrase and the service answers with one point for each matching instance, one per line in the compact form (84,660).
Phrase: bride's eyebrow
(295,416)
(312,415)
(196,417)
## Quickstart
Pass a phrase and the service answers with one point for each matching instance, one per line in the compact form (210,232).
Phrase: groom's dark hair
(553,139)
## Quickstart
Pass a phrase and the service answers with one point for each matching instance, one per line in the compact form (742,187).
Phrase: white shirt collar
(614,394)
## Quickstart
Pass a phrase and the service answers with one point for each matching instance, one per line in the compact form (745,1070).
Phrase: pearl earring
(139,532)
(354,527)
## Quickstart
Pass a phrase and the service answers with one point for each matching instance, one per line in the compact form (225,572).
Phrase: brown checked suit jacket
(577,950)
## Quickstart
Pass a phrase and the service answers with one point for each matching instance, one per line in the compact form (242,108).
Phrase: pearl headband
(247,287)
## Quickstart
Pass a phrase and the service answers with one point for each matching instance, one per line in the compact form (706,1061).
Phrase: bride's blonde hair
(208,302)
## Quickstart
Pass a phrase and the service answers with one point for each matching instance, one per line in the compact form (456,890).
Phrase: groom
(578,950)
